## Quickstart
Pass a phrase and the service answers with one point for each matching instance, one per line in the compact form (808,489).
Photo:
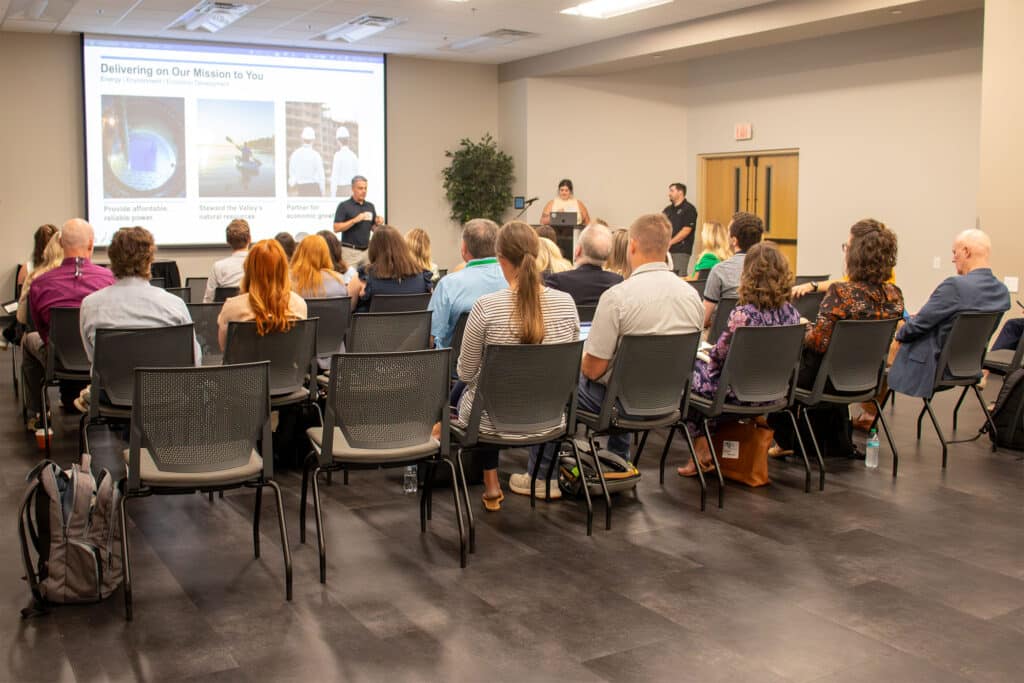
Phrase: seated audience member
(391,270)
(456,293)
(63,287)
(525,312)
(864,295)
(266,294)
(312,270)
(653,301)
(41,237)
(618,259)
(714,242)
(131,301)
(339,264)
(1009,336)
(588,280)
(419,243)
(227,272)
(973,288)
(547,232)
(765,281)
(287,243)
(551,259)
(745,231)
(53,256)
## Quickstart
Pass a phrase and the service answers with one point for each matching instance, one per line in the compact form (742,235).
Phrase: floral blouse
(852,301)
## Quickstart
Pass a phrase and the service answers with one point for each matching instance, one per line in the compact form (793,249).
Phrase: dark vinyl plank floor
(915,579)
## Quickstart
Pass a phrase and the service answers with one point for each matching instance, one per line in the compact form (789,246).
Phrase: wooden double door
(761,183)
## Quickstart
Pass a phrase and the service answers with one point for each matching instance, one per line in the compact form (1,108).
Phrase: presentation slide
(183,137)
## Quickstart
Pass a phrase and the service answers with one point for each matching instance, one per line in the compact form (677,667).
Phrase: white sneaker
(520,483)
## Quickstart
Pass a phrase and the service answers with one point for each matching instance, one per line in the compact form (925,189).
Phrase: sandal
(705,468)
(864,421)
(493,504)
(778,451)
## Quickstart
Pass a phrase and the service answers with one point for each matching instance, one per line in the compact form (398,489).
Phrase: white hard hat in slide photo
(308,134)
(342,132)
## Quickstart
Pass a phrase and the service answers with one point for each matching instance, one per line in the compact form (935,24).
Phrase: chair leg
(956,408)
(700,472)
(256,522)
(533,477)
(938,431)
(330,478)
(458,515)
(885,399)
(664,454)
(817,450)
(303,497)
(470,521)
(888,436)
(424,492)
(583,484)
(126,565)
(604,484)
(46,420)
(640,449)
(319,526)
(803,452)
(714,459)
(344,476)
(83,434)
(284,540)
(552,464)
(920,417)
(988,416)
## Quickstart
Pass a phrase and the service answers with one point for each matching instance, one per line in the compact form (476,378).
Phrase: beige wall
(886,121)
(1000,201)
(620,138)
(431,106)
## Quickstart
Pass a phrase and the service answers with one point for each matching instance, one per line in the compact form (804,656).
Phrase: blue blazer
(922,337)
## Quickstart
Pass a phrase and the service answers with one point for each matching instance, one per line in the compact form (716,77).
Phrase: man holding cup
(354,219)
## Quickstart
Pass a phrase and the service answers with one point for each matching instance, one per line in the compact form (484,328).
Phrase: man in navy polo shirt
(354,219)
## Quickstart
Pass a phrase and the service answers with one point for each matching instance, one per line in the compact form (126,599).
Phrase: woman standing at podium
(565,202)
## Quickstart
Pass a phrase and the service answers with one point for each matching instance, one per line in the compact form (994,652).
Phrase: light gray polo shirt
(653,300)
(724,279)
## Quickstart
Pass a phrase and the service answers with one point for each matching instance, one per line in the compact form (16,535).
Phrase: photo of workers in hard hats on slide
(323,149)
(143,147)
(236,148)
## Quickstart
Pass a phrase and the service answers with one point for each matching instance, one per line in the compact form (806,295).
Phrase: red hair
(268,285)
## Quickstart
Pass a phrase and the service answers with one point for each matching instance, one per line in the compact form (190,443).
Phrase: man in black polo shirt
(683,217)
(588,280)
(354,219)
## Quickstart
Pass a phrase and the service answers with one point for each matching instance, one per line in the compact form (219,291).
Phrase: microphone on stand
(526,205)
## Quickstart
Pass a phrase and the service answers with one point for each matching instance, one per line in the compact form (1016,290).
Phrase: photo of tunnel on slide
(143,147)
(236,148)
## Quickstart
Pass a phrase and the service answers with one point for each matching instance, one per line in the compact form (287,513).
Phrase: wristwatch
(814,286)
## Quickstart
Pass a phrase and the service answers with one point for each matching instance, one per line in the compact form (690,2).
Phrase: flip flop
(710,467)
(493,504)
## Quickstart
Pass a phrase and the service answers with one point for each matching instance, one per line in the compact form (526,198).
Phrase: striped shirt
(490,322)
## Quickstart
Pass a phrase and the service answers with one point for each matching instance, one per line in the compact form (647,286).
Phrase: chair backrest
(855,358)
(334,314)
(804,279)
(649,374)
(963,353)
(381,332)
(527,388)
(202,419)
(119,351)
(183,293)
(457,335)
(700,283)
(397,303)
(761,365)
(586,312)
(204,317)
(198,287)
(65,343)
(720,318)
(387,400)
(291,353)
(222,294)
(158,282)
(809,304)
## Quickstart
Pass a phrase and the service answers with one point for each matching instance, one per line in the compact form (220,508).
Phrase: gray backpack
(69,521)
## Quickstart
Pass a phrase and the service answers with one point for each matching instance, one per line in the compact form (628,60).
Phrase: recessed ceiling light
(503,36)
(211,16)
(361,27)
(607,9)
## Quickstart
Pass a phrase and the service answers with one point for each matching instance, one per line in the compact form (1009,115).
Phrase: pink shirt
(64,287)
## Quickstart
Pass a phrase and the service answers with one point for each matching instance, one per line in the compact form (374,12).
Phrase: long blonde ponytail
(518,244)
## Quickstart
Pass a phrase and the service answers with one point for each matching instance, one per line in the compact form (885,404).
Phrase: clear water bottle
(871,454)
(410,480)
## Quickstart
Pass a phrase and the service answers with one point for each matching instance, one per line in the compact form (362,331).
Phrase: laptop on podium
(564,218)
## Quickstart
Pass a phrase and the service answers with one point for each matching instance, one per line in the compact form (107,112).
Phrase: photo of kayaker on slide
(236,148)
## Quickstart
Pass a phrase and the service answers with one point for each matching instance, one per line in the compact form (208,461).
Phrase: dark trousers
(1010,335)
